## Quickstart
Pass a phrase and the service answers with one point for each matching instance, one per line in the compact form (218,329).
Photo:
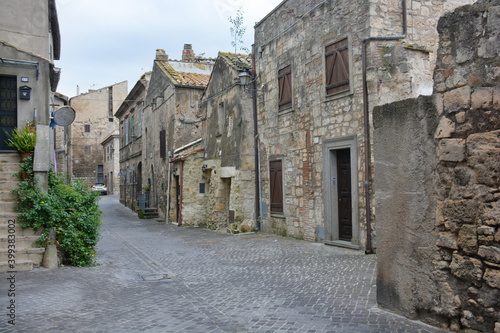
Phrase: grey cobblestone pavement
(154,277)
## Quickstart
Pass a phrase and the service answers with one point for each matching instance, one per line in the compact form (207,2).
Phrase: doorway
(340,193)
(8,109)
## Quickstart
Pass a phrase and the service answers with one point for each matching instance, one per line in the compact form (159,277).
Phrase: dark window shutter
(163,144)
(276,176)
(337,67)
(285,87)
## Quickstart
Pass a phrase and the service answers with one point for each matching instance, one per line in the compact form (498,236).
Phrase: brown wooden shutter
(337,67)
(163,144)
(285,87)
(276,186)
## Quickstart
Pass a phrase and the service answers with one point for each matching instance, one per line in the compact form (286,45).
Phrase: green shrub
(70,210)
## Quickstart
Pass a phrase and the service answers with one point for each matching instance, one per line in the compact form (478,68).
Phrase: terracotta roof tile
(183,73)
(237,60)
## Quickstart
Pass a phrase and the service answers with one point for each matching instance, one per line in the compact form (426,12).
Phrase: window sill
(278,215)
(339,95)
(285,111)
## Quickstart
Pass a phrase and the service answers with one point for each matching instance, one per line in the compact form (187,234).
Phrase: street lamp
(246,79)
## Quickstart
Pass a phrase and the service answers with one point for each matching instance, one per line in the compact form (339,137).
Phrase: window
(163,144)
(337,67)
(126,132)
(88,150)
(221,117)
(139,122)
(132,127)
(276,181)
(285,88)
(87,128)
(100,173)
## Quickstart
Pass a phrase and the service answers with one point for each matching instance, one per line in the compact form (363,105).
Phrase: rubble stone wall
(444,265)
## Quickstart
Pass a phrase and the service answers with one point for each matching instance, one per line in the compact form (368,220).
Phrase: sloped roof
(237,60)
(183,73)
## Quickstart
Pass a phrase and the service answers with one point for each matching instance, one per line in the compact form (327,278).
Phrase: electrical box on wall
(24,92)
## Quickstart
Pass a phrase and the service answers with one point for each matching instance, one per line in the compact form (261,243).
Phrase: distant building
(130,144)
(95,125)
(171,123)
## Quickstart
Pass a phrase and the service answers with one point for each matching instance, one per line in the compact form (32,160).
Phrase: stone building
(29,46)
(323,65)
(228,170)
(437,181)
(171,122)
(95,124)
(130,115)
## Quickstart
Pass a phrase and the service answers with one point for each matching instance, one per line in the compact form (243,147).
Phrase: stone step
(10,158)
(150,213)
(21,242)
(7,207)
(30,254)
(8,176)
(7,195)
(20,265)
(10,167)
(18,231)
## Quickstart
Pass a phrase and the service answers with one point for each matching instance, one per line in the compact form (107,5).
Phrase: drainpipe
(366,117)
(181,183)
(169,175)
(258,207)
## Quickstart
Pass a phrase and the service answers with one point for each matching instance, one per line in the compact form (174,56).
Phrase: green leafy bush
(70,210)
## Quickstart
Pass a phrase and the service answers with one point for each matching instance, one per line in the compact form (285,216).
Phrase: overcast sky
(109,41)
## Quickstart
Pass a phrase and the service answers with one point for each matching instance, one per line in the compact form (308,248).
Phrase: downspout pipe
(366,118)
(258,215)
(181,190)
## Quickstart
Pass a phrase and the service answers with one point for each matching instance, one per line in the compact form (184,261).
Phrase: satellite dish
(64,116)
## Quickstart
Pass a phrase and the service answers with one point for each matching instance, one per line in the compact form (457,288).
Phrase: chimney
(187,53)
(161,55)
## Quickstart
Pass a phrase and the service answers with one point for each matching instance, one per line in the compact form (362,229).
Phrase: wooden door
(344,194)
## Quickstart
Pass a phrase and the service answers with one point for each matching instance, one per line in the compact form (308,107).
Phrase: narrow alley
(153,277)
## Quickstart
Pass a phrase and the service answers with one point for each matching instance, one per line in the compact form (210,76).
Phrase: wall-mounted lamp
(204,168)
(246,79)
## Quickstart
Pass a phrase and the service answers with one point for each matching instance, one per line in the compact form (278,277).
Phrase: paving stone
(216,283)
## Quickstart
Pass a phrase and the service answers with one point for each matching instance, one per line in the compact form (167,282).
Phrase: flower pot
(25,155)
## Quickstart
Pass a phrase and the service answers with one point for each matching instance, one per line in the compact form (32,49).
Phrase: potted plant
(30,124)
(23,140)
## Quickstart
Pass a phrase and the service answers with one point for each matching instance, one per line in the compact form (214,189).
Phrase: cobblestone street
(154,277)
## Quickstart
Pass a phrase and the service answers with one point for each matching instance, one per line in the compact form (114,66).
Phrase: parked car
(100,187)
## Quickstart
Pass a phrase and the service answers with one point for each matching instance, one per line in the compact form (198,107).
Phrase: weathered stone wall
(467,87)
(296,34)
(93,109)
(404,152)
(444,266)
(229,149)
(26,25)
